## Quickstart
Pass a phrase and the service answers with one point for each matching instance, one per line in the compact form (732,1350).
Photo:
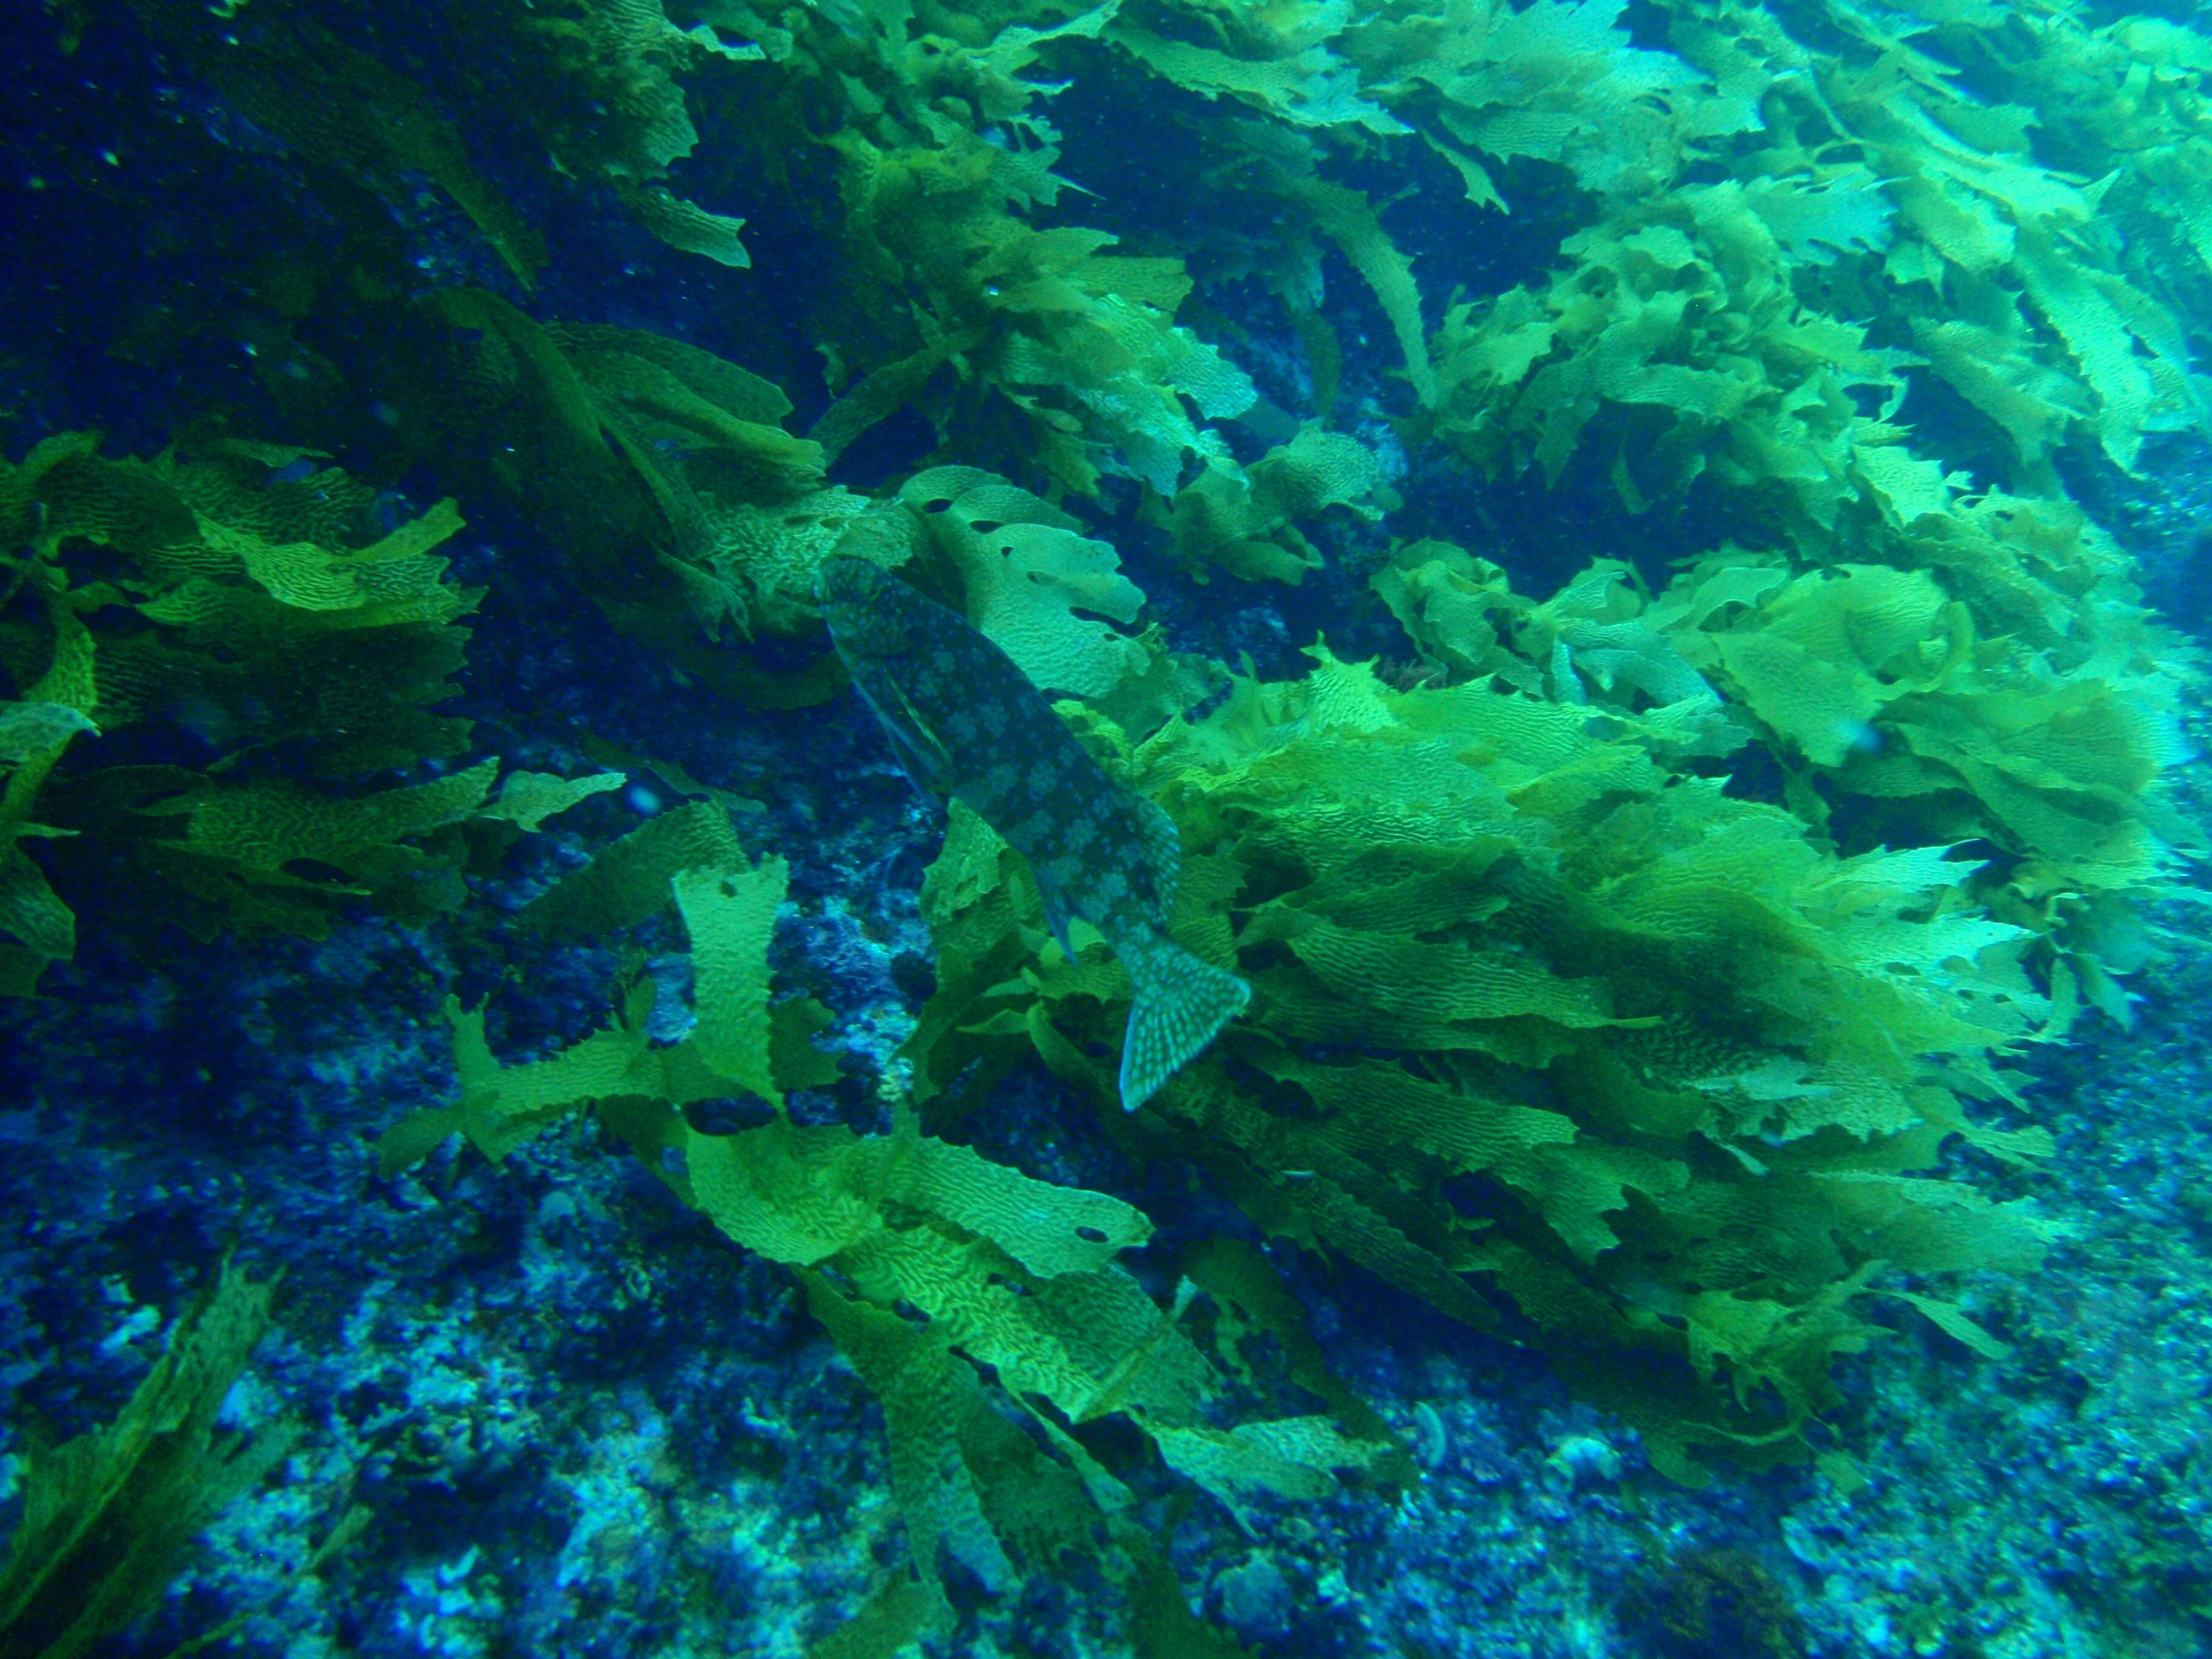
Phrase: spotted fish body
(967,723)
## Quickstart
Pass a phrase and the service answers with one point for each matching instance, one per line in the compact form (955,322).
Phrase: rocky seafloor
(582,1422)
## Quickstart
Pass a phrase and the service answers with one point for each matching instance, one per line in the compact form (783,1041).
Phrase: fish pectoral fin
(918,733)
(921,756)
(916,762)
(1060,918)
(1181,1004)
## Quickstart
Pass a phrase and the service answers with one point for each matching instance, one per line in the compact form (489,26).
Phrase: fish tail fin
(1181,1004)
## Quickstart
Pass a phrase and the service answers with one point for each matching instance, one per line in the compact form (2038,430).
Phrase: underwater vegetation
(1648,969)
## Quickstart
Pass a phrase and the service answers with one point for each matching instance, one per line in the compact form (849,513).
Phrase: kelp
(604,99)
(1673,347)
(1697,1063)
(1691,352)
(1047,595)
(1278,61)
(345,112)
(109,1518)
(233,602)
(1894,693)
(620,117)
(1870,183)
(1072,351)
(1245,518)
(950,300)
(1558,82)
(663,474)
(2011,691)
(983,1307)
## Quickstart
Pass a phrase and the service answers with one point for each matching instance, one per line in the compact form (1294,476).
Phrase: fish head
(841,579)
(873,617)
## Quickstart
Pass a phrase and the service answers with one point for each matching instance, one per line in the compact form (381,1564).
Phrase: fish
(967,724)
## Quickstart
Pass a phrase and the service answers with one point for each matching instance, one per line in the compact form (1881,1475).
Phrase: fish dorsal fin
(1161,849)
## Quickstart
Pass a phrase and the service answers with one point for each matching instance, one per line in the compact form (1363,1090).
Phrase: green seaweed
(352,118)
(109,1518)
(2011,691)
(1702,1061)
(983,1307)
(1244,519)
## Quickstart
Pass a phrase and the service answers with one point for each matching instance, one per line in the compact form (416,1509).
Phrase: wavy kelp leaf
(1249,1295)
(978,1488)
(1997,370)
(1437,986)
(1120,361)
(664,474)
(1481,188)
(911,1372)
(27,729)
(882,392)
(1242,518)
(1558,82)
(2052,322)
(933,1269)
(1026,571)
(612,108)
(502,1107)
(767,556)
(897,1614)
(1670,346)
(309,577)
(1589,638)
(805,1195)
(1953,1322)
(278,857)
(31,911)
(1078,345)
(1817,223)
(1310,87)
(528,798)
(1346,217)
(265,827)
(2115,336)
(109,1516)
(1836,647)
(1849,667)
(1289,1457)
(730,915)
(2067,772)
(738,1044)
(662,392)
(1457,610)
(340,107)
(1291,1200)
(688,226)
(269,625)
(2035,711)
(629,881)
(35,735)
